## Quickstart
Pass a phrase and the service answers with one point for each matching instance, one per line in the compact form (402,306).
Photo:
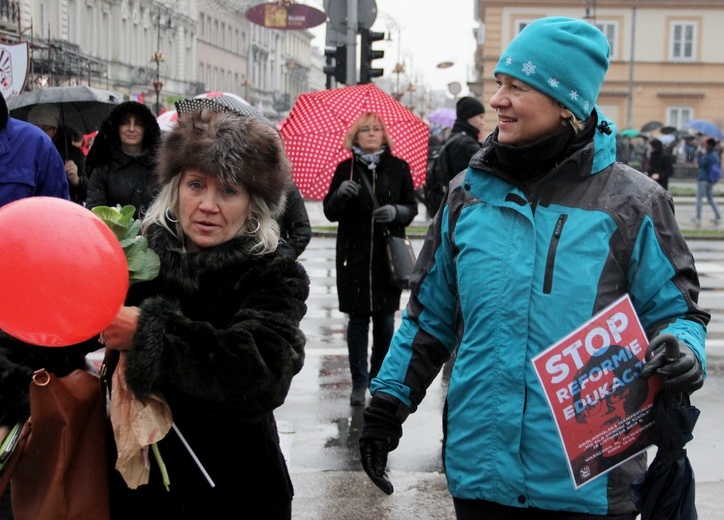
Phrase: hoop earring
(258,225)
(168,217)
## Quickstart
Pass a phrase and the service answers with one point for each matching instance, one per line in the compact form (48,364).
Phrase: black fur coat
(219,337)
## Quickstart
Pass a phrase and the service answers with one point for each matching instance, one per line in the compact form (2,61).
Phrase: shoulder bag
(400,254)
(59,468)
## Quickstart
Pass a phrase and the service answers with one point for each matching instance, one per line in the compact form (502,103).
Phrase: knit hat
(44,115)
(468,107)
(564,58)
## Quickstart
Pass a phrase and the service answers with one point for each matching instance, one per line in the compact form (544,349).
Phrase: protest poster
(603,411)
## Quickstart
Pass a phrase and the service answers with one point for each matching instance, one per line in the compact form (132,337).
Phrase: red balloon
(63,273)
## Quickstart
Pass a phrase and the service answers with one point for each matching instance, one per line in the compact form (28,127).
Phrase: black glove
(380,435)
(348,189)
(384,214)
(682,374)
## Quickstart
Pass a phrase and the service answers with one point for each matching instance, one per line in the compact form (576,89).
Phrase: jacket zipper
(372,238)
(552,248)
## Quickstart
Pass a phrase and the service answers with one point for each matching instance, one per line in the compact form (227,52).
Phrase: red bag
(59,469)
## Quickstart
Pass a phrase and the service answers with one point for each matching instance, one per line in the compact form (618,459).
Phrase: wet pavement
(320,430)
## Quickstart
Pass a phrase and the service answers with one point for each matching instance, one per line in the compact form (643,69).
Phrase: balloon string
(193,455)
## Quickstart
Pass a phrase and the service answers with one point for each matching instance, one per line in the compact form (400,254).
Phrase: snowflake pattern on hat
(529,68)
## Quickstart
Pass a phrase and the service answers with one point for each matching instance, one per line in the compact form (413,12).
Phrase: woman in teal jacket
(542,231)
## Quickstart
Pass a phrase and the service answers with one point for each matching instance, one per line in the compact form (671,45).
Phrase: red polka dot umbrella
(167,120)
(315,129)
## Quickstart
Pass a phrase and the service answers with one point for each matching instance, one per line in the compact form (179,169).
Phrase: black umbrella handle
(672,347)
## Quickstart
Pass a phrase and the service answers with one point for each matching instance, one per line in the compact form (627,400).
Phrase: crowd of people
(539,228)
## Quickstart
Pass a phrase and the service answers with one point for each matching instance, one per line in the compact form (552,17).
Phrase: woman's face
(211,211)
(131,132)
(525,115)
(369,137)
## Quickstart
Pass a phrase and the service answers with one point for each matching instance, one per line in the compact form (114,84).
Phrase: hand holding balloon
(119,334)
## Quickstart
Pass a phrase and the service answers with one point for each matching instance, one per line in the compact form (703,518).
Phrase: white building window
(677,116)
(521,24)
(610,30)
(89,27)
(683,41)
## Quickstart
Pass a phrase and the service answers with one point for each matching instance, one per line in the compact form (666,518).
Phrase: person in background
(30,166)
(217,332)
(706,156)
(542,231)
(661,163)
(455,153)
(122,159)
(47,118)
(29,162)
(364,283)
(469,122)
(294,228)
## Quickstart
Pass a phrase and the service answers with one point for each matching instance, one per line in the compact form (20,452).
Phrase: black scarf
(531,162)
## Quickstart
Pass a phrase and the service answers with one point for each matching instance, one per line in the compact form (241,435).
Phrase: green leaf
(143,262)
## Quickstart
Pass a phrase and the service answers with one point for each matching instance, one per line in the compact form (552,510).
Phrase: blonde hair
(367,119)
(572,120)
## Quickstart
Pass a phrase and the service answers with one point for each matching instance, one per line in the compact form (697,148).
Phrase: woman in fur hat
(121,162)
(217,332)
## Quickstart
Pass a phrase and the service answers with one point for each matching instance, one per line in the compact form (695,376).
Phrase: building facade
(161,50)
(667,61)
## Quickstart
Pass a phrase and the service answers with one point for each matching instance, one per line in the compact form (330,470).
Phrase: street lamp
(246,84)
(158,58)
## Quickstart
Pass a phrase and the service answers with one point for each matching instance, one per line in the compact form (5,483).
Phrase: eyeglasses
(368,129)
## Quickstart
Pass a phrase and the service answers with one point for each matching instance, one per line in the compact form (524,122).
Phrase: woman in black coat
(122,160)
(364,283)
(217,332)
(661,163)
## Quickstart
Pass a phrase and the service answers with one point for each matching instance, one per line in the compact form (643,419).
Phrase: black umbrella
(668,130)
(82,108)
(681,134)
(666,490)
(651,126)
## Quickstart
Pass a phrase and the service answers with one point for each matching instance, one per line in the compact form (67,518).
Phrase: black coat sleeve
(294,226)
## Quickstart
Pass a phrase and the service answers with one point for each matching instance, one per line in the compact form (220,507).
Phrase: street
(319,428)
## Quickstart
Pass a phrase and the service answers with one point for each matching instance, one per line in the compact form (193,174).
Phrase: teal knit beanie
(564,58)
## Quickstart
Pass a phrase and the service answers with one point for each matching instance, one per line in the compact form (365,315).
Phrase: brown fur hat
(237,149)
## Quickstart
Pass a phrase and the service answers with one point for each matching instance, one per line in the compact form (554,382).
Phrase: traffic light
(338,69)
(367,55)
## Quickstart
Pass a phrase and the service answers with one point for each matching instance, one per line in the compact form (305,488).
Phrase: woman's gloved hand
(348,189)
(380,435)
(682,374)
(385,214)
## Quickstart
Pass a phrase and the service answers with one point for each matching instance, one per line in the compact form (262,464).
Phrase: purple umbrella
(443,117)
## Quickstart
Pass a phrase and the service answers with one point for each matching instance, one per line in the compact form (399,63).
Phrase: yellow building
(667,56)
